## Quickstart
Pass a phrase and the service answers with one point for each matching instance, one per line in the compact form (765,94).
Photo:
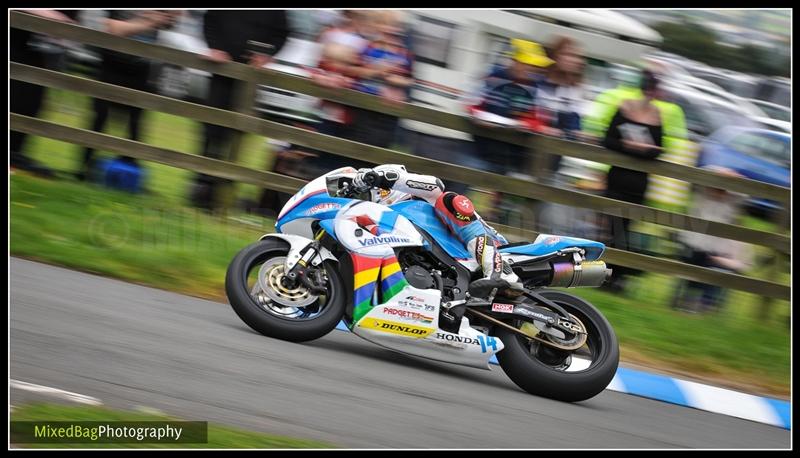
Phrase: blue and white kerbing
(704,397)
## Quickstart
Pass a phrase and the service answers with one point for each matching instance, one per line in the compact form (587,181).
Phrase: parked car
(743,105)
(736,83)
(678,73)
(775,90)
(758,154)
(296,55)
(773,110)
(731,102)
(775,124)
(705,114)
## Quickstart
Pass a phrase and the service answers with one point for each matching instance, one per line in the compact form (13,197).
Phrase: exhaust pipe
(571,275)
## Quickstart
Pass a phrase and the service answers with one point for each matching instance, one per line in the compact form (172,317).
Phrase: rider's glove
(362,181)
(370,178)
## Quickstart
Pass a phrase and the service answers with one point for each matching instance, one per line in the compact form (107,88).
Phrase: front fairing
(314,201)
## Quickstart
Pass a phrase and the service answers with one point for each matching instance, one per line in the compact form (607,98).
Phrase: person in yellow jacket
(606,104)
(664,192)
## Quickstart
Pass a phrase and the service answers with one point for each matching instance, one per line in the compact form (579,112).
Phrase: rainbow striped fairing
(366,271)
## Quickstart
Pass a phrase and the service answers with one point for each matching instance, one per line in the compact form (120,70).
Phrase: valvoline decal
(383,240)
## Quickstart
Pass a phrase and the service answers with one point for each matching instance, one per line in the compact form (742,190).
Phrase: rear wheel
(570,376)
(264,299)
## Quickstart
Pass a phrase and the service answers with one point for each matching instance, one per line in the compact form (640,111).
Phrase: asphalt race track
(130,346)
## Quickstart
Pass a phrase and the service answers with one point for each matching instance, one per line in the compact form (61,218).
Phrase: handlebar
(371,178)
(346,188)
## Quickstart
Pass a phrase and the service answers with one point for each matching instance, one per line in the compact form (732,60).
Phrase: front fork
(304,272)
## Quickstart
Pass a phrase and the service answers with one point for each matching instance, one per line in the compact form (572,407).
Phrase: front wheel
(557,374)
(261,296)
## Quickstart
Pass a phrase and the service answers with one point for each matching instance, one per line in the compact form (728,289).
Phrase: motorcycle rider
(390,183)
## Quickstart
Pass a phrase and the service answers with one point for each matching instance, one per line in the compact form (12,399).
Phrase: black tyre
(544,371)
(288,314)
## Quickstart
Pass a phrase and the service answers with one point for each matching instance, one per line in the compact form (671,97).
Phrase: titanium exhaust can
(588,273)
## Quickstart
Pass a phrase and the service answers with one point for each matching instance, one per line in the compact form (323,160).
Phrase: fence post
(243,102)
(766,306)
(776,262)
(539,170)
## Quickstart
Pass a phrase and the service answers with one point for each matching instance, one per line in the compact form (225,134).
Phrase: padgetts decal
(408,314)
(324,207)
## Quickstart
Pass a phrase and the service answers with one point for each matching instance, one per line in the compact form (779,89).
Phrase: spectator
(561,93)
(607,102)
(510,92)
(125,70)
(26,98)
(662,192)
(666,192)
(342,46)
(227,33)
(635,130)
(385,71)
(342,41)
(702,250)
(387,62)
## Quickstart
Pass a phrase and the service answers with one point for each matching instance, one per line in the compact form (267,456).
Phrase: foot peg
(451,321)
(487,288)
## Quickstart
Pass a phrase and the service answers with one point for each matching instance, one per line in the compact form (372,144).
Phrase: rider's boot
(498,276)
(503,285)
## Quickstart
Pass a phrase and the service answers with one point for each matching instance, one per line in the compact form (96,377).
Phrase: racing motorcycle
(397,277)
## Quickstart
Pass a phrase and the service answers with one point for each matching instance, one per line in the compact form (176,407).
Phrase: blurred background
(719,78)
